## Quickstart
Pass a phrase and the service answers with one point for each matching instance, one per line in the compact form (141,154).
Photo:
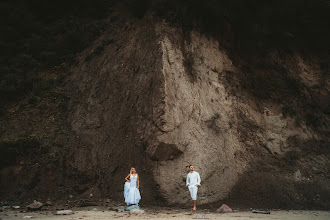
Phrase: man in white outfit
(193,182)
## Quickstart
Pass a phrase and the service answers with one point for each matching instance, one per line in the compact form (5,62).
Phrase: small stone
(132,207)
(260,212)
(200,216)
(16,207)
(120,209)
(28,216)
(35,205)
(94,209)
(49,203)
(137,211)
(65,212)
(224,209)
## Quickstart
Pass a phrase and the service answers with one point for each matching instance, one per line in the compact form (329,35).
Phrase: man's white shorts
(193,192)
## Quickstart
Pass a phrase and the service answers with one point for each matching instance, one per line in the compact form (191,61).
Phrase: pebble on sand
(224,209)
(200,216)
(35,205)
(121,209)
(137,211)
(65,212)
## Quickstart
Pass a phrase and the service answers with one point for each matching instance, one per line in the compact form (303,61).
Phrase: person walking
(193,181)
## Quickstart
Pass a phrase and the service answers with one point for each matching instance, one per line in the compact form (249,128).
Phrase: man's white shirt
(193,179)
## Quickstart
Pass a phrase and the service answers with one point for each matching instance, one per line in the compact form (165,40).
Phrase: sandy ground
(103,213)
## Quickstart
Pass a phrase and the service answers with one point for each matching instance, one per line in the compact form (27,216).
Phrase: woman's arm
(137,181)
(126,178)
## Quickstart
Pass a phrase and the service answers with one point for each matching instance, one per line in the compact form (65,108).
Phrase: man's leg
(191,190)
(195,201)
(194,196)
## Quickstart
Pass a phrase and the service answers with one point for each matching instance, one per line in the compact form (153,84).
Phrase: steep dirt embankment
(233,139)
(112,108)
(164,99)
(159,98)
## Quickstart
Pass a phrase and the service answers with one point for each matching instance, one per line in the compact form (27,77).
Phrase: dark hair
(189,165)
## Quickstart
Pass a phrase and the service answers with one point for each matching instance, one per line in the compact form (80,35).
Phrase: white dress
(133,194)
(126,189)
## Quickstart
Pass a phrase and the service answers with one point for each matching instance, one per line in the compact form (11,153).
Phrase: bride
(131,188)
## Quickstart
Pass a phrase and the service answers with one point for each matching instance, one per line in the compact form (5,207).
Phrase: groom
(193,182)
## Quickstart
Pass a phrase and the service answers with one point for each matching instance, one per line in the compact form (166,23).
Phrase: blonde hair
(130,172)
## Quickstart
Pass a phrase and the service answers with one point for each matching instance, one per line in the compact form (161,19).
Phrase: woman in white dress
(126,189)
(132,195)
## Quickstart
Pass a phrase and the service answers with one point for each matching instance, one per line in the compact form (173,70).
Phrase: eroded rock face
(199,120)
(156,97)
(112,106)
(217,130)
(159,99)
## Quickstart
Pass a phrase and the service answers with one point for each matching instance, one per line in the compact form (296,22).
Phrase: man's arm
(187,180)
(198,179)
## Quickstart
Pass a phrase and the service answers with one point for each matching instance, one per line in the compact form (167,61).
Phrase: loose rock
(260,212)
(35,205)
(65,212)
(120,209)
(28,216)
(224,208)
(132,207)
(200,216)
(137,211)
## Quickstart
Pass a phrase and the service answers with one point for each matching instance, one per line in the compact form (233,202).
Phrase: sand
(102,213)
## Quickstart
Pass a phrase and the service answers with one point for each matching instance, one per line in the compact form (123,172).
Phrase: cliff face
(157,97)
(161,98)
(215,125)
(112,108)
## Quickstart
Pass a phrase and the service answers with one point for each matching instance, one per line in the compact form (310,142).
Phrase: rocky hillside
(161,86)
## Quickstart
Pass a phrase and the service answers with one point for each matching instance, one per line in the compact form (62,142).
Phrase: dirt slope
(150,95)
